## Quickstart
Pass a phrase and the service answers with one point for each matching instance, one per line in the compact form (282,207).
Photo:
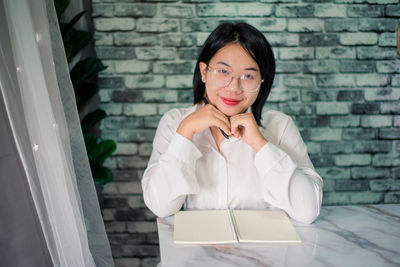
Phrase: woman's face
(232,58)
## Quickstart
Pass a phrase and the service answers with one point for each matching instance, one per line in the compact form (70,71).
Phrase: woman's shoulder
(274,117)
(274,124)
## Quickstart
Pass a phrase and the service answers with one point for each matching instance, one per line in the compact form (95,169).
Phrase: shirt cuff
(267,157)
(184,150)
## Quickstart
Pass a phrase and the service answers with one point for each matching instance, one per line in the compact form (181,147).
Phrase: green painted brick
(332,108)
(333,172)
(337,52)
(370,172)
(385,185)
(353,160)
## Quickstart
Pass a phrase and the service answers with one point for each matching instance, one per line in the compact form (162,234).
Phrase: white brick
(358,38)
(396,121)
(201,38)
(114,24)
(396,80)
(325,134)
(130,188)
(145,149)
(142,227)
(372,80)
(112,108)
(382,2)
(296,53)
(269,24)
(387,39)
(179,81)
(335,52)
(353,160)
(105,95)
(388,66)
(160,96)
(255,10)
(132,66)
(108,214)
(163,108)
(376,121)
(330,10)
(305,25)
(136,202)
(216,10)
(101,38)
(140,109)
(325,108)
(126,149)
(283,39)
(382,94)
(144,81)
(110,189)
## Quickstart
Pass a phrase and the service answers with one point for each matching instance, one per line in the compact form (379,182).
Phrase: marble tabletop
(342,236)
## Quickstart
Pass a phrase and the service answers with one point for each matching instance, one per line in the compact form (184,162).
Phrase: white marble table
(341,236)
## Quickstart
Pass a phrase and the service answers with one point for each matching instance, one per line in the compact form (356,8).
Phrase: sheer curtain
(40,108)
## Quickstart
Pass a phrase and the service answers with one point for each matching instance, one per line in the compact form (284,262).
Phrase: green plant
(82,75)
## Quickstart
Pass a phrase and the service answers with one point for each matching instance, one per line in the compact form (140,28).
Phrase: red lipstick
(230,101)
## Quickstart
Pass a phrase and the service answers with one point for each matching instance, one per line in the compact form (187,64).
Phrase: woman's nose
(234,85)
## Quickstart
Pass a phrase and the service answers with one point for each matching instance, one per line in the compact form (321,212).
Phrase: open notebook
(232,226)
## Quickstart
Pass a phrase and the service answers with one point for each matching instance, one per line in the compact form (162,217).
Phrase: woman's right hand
(202,119)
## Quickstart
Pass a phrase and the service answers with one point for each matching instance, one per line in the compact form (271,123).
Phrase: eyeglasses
(249,83)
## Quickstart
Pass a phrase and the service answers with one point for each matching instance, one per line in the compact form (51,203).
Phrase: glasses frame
(214,70)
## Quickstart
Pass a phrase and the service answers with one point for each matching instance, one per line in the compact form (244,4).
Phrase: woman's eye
(248,77)
(222,71)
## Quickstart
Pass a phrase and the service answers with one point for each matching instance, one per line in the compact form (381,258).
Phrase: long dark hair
(254,43)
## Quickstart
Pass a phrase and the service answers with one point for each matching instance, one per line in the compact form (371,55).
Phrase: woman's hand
(202,119)
(245,126)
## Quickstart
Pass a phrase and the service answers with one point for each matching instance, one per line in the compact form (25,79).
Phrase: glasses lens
(221,77)
(247,83)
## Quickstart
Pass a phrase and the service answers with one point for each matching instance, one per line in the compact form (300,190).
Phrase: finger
(219,116)
(223,126)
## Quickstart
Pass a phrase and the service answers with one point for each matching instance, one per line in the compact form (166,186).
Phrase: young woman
(220,154)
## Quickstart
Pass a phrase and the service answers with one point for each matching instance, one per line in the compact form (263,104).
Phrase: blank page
(203,227)
(271,226)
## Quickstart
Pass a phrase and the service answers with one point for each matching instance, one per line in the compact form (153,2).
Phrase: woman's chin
(229,112)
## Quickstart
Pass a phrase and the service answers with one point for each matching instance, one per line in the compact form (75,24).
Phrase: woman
(219,155)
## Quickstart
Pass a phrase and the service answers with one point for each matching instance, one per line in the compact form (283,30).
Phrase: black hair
(255,43)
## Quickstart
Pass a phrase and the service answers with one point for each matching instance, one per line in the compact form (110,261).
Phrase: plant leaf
(84,91)
(74,42)
(86,68)
(102,175)
(61,6)
(92,118)
(103,150)
(68,27)
(91,141)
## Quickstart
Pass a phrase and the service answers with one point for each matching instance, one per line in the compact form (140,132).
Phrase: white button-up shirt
(196,174)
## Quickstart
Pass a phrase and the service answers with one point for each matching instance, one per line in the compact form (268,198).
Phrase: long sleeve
(288,178)
(170,174)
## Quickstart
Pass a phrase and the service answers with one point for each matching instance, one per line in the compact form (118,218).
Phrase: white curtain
(42,114)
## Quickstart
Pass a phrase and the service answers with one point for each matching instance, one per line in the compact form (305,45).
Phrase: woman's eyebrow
(226,64)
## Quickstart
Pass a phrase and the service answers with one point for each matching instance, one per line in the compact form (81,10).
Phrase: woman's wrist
(259,143)
(185,131)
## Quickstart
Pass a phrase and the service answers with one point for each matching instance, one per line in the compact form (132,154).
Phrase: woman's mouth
(230,101)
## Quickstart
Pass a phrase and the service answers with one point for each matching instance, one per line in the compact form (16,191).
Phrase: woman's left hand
(245,126)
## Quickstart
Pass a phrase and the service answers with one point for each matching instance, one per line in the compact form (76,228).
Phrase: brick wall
(338,76)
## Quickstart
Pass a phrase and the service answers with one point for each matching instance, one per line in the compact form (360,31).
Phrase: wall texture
(338,76)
